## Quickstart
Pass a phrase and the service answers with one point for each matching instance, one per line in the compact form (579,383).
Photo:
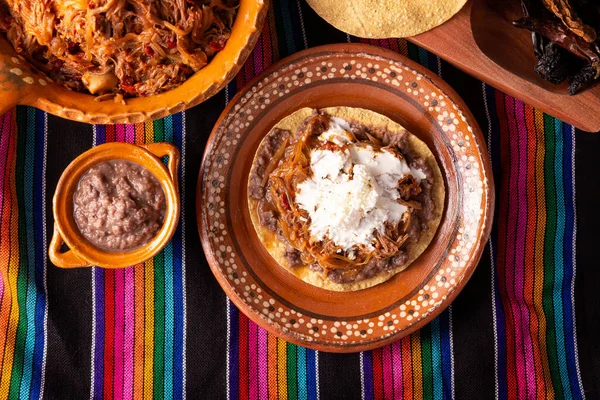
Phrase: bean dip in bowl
(119,205)
(115,205)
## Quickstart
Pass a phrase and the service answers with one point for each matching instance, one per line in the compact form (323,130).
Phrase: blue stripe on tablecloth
(368,375)
(286,8)
(178,289)
(569,253)
(98,356)
(446,350)
(29,207)
(40,256)
(311,374)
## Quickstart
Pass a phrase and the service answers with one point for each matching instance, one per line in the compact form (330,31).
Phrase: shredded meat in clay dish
(119,48)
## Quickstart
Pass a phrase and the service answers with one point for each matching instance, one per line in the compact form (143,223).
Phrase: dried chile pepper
(563,10)
(556,32)
(552,65)
(560,37)
(582,79)
(536,39)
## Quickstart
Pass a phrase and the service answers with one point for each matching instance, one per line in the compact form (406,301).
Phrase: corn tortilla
(380,19)
(371,119)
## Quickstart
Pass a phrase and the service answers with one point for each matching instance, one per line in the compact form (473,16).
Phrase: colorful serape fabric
(525,326)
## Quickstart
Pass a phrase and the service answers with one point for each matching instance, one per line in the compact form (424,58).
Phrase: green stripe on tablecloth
(427,363)
(413,51)
(549,264)
(292,368)
(23,121)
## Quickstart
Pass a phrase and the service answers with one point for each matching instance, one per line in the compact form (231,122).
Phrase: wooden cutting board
(481,41)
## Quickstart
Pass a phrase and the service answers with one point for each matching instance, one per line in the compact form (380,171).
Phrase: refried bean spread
(397,169)
(119,205)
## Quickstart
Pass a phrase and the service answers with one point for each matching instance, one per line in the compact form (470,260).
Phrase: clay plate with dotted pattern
(354,75)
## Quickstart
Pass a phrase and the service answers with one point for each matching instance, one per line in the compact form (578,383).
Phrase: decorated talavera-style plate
(353,75)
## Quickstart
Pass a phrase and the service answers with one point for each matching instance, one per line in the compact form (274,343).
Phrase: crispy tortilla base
(369,118)
(380,19)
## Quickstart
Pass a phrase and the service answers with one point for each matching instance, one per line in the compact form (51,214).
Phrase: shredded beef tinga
(123,48)
(344,198)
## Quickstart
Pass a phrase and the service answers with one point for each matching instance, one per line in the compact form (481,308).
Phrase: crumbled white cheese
(330,164)
(353,192)
(337,132)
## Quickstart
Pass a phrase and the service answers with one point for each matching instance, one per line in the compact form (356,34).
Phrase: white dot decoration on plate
(19,68)
(470,173)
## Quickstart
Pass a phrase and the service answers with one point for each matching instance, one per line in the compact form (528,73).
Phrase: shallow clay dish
(352,75)
(20,83)
(81,252)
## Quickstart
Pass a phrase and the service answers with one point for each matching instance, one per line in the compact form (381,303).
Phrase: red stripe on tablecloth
(109,330)
(388,381)
(263,364)
(120,133)
(513,284)
(110,133)
(407,387)
(253,359)
(243,338)
(377,374)
(396,349)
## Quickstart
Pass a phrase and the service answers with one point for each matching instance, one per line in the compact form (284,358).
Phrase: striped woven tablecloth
(525,326)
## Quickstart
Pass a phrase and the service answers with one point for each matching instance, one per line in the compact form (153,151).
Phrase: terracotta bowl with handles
(81,252)
(21,83)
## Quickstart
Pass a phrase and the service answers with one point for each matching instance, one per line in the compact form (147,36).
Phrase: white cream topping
(338,132)
(353,192)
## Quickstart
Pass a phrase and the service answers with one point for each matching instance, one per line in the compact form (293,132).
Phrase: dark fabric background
(68,362)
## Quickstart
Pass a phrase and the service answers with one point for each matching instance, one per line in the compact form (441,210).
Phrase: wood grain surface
(481,41)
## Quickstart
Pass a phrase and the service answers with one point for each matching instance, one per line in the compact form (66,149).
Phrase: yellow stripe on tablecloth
(149,329)
(282,369)
(417,369)
(12,269)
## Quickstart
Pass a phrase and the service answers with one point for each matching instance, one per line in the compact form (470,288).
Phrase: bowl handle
(15,78)
(166,149)
(68,259)
(10,91)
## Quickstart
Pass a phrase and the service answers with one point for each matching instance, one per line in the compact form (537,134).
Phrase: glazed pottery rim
(487,208)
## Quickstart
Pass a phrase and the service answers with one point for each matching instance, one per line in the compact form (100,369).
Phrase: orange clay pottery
(81,252)
(352,75)
(21,83)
